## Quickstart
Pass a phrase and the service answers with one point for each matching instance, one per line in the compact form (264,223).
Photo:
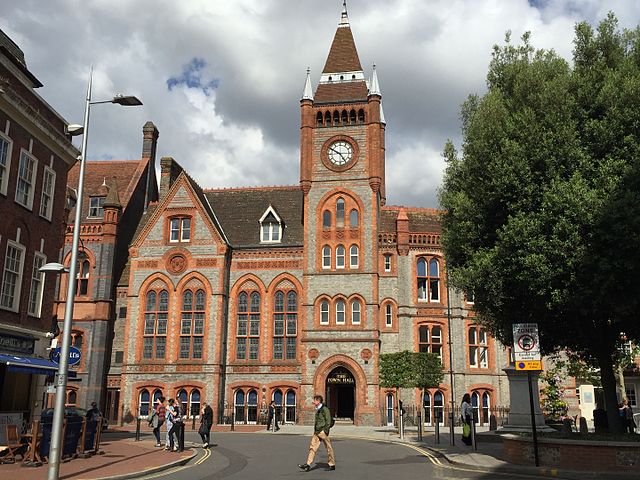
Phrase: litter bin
(73,417)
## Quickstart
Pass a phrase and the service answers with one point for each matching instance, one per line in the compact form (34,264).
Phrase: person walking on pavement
(173,413)
(156,420)
(467,418)
(273,417)
(92,417)
(322,425)
(206,421)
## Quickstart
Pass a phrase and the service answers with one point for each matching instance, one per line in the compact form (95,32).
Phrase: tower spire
(375,86)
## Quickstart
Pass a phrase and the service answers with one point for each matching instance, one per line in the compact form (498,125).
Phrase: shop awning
(37,366)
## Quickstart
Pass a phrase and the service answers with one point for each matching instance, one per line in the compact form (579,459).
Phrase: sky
(222,79)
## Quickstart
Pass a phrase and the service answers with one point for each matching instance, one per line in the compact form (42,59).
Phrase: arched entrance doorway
(340,393)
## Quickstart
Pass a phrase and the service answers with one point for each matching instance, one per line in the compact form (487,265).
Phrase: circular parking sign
(526,342)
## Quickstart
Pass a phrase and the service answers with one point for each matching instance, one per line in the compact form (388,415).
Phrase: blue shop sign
(75,355)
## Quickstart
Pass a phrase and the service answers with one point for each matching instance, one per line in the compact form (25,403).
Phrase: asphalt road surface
(266,456)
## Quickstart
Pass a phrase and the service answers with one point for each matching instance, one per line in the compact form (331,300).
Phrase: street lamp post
(63,367)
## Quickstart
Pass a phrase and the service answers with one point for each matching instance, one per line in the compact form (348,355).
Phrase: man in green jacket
(321,428)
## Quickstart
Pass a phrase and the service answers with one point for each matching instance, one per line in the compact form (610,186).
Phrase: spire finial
(374,88)
(344,18)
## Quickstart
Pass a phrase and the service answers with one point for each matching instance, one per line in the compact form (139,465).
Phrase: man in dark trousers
(272,417)
(206,421)
(322,425)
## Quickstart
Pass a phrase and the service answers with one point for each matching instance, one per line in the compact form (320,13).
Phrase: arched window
(327,119)
(355,312)
(336,118)
(340,312)
(143,404)
(324,312)
(340,256)
(426,405)
(252,406)
(319,119)
(248,316)
(194,403)
(82,277)
(326,219)
(278,399)
(77,339)
(353,256)
(238,403)
(430,339)
(290,406)
(353,218)
(361,116)
(352,116)
(156,395)
(72,398)
(438,407)
(478,349)
(326,257)
(340,213)
(192,324)
(428,280)
(388,315)
(486,408)
(182,399)
(285,319)
(390,409)
(345,117)
(155,325)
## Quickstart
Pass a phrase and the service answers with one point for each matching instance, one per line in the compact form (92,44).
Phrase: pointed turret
(374,89)
(342,77)
(307,94)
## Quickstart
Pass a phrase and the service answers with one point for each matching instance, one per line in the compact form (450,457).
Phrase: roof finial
(104,182)
(307,94)
(374,88)
(344,18)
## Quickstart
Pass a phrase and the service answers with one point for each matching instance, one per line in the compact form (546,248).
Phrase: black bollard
(436,432)
(419,426)
(138,429)
(193,423)
(181,437)
(233,421)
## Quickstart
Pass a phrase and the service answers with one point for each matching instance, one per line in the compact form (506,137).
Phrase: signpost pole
(533,421)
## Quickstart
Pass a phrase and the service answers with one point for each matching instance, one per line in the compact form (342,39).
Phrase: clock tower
(342,177)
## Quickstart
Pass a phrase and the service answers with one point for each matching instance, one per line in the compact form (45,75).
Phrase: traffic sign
(526,346)
(75,355)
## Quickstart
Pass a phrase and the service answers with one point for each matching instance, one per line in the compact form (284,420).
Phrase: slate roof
(343,56)
(239,210)
(341,92)
(421,220)
(125,172)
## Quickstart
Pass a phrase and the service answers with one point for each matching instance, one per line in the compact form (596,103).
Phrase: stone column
(520,409)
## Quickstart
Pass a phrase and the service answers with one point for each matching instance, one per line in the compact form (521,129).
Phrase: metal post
(436,432)
(473,432)
(452,437)
(533,421)
(61,380)
(233,421)
(138,429)
(419,425)
(401,419)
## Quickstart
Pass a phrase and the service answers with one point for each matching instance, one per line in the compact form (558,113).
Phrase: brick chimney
(402,228)
(150,136)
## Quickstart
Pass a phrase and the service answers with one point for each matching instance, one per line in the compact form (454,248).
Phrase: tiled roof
(421,220)
(239,211)
(341,92)
(125,172)
(343,56)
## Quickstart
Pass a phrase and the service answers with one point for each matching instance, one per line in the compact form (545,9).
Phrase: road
(265,456)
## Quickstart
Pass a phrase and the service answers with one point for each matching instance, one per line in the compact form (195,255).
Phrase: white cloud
(245,131)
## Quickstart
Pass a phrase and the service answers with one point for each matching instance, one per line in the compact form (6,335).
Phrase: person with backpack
(467,417)
(174,420)
(322,425)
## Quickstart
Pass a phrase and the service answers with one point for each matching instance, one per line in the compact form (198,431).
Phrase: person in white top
(467,418)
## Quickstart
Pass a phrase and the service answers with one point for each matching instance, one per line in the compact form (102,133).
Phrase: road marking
(202,459)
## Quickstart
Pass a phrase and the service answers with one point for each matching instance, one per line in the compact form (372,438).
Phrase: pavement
(125,458)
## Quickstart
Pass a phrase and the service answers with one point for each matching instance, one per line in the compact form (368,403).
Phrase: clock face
(340,152)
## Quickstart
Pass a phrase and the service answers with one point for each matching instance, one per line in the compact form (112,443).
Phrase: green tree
(542,204)
(552,402)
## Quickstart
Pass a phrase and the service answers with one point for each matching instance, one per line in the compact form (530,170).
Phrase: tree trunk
(608,379)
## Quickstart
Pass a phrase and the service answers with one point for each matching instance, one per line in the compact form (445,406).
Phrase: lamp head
(74,129)
(126,100)
(53,267)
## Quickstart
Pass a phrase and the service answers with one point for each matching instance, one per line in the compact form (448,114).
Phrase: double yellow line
(202,459)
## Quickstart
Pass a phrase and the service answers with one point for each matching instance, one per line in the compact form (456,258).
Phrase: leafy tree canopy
(542,204)
(410,370)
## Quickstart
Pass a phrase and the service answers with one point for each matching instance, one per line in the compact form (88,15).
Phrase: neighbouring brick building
(116,195)
(243,295)
(35,154)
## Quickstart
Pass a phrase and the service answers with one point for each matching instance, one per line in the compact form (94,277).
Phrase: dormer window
(96,207)
(270,227)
